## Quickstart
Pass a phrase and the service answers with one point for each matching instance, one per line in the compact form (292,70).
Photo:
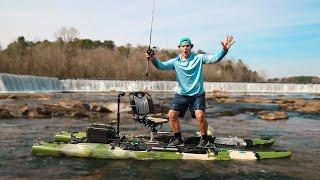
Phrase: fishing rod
(149,51)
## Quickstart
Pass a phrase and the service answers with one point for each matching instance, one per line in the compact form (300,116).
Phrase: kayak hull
(106,151)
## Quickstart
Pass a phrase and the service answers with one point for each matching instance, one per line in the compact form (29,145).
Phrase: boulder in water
(5,114)
(113,106)
(273,115)
(72,103)
(99,108)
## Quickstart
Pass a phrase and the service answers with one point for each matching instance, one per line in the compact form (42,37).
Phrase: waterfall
(119,85)
(172,86)
(23,83)
(26,83)
(265,88)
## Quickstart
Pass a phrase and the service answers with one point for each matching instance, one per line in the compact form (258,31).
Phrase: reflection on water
(299,133)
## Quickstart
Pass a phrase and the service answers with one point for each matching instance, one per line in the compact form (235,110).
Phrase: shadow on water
(299,133)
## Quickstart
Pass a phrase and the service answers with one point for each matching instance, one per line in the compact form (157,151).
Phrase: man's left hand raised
(227,43)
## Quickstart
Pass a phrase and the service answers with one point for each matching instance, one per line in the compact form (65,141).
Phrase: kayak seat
(143,111)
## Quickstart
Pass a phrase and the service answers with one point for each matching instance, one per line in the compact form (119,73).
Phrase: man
(191,94)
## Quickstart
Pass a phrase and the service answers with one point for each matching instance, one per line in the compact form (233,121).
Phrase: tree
(0,47)
(108,44)
(201,52)
(67,34)
(125,50)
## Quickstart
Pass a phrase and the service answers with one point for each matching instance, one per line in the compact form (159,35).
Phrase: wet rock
(25,111)
(44,111)
(113,106)
(311,107)
(28,96)
(226,100)
(99,108)
(272,115)
(300,105)
(256,100)
(288,107)
(5,114)
(230,112)
(220,94)
(72,103)
(41,111)
(79,114)
(12,97)
(4,96)
(34,114)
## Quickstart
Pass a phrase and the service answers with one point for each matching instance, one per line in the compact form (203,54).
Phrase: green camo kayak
(231,141)
(107,151)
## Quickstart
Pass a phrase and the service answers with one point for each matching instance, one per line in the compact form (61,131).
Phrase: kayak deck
(232,141)
(107,151)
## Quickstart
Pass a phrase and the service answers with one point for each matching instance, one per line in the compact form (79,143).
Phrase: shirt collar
(180,57)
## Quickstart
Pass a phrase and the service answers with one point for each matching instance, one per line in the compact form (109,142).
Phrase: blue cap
(185,41)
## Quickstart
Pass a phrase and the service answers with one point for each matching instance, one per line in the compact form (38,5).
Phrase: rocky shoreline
(284,103)
(66,107)
(74,108)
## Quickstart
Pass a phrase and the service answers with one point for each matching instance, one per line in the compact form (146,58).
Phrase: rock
(256,100)
(44,111)
(4,96)
(308,106)
(5,114)
(25,111)
(220,94)
(99,108)
(71,103)
(29,96)
(226,100)
(288,107)
(229,112)
(43,99)
(272,115)
(79,114)
(12,97)
(113,106)
(32,113)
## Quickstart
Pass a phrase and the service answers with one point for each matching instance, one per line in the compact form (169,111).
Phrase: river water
(299,134)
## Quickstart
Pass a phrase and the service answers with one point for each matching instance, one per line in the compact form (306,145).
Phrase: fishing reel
(151,50)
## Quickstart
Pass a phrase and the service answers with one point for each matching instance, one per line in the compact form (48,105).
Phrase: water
(25,83)
(22,83)
(299,134)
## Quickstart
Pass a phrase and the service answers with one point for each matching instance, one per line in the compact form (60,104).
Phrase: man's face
(185,50)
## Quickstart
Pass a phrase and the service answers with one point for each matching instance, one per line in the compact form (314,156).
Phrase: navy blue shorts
(182,103)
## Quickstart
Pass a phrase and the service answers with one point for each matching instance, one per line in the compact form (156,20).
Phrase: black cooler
(101,133)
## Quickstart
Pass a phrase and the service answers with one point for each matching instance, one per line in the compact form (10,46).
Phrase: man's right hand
(150,55)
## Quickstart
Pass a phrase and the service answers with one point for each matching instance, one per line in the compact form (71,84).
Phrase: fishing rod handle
(147,68)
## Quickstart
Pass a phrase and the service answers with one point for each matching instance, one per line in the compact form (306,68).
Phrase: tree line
(296,80)
(71,57)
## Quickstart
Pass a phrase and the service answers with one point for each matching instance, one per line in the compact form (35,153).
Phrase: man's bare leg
(174,120)
(203,125)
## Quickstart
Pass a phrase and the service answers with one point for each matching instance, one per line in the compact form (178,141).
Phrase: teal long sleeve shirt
(189,73)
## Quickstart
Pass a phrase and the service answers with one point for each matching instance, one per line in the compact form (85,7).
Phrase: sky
(276,38)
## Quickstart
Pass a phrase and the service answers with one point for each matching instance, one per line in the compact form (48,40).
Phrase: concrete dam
(26,83)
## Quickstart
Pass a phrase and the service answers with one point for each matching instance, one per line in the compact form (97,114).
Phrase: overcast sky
(278,38)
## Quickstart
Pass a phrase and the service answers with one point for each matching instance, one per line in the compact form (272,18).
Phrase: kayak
(228,141)
(109,151)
